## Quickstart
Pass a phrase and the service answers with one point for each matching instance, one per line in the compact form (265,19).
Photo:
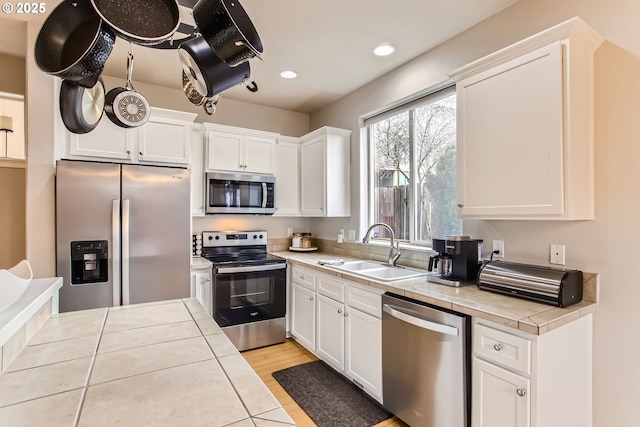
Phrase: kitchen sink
(378,271)
(360,265)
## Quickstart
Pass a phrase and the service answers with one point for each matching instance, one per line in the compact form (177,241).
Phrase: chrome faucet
(394,252)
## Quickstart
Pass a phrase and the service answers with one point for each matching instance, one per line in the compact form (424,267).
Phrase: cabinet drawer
(304,277)
(330,287)
(367,301)
(500,347)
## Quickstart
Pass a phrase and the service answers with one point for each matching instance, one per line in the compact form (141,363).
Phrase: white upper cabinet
(525,128)
(325,173)
(239,150)
(164,139)
(287,173)
(197,171)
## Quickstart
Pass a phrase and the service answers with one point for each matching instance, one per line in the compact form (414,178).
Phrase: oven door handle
(253,268)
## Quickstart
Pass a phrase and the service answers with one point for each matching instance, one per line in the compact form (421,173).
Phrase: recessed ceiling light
(384,50)
(288,74)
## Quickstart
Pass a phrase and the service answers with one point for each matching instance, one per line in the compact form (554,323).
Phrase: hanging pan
(74,43)
(124,106)
(81,108)
(209,104)
(143,22)
(226,27)
(208,74)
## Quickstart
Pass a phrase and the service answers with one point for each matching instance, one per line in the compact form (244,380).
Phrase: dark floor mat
(329,398)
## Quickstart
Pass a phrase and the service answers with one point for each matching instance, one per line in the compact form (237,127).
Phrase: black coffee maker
(457,261)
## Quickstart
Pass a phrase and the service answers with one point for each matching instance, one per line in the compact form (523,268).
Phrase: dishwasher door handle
(421,323)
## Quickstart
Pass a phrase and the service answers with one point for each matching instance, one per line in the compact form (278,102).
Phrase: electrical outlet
(289,232)
(556,254)
(498,245)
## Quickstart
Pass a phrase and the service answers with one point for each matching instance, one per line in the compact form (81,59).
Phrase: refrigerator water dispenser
(89,262)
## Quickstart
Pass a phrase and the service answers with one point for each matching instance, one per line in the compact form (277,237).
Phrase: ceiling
(328,43)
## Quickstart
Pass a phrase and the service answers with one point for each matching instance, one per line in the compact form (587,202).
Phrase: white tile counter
(158,364)
(529,316)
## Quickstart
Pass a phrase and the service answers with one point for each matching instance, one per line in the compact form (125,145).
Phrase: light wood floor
(268,360)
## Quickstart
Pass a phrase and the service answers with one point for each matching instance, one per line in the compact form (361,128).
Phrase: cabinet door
(224,151)
(287,178)
(363,361)
(312,182)
(331,332)
(164,140)
(105,141)
(303,316)
(500,397)
(257,154)
(202,287)
(510,138)
(197,173)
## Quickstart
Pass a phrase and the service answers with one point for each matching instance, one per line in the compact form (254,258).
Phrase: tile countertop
(199,263)
(529,316)
(158,364)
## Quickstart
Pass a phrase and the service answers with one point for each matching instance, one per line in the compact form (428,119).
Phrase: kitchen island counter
(157,364)
(529,316)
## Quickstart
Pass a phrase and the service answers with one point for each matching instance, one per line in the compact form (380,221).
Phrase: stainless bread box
(554,286)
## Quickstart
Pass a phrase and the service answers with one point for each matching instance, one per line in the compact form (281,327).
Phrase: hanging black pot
(81,108)
(226,27)
(209,104)
(143,22)
(124,106)
(208,74)
(74,43)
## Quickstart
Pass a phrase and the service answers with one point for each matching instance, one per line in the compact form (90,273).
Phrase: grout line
(76,420)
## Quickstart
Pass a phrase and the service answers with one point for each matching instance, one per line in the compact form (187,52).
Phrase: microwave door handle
(264,194)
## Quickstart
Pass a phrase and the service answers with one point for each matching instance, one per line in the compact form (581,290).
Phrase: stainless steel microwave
(239,193)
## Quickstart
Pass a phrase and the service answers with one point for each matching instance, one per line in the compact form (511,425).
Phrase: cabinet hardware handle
(460,205)
(339,311)
(521,392)
(346,314)
(128,151)
(497,347)
(141,153)
(310,298)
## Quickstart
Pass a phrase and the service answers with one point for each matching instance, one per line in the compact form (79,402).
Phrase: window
(412,168)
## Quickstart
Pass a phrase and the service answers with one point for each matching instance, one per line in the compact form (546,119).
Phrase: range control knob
(261,236)
(210,237)
(217,237)
(255,236)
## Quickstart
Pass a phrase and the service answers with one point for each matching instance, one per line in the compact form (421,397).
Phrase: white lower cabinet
(498,401)
(201,287)
(331,329)
(363,352)
(525,380)
(303,306)
(347,321)
(303,316)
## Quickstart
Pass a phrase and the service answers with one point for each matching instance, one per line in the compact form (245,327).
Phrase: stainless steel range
(248,299)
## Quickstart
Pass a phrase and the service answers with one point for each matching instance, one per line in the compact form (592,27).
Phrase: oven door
(249,294)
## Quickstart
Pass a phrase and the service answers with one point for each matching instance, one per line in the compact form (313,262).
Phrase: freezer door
(156,233)
(87,213)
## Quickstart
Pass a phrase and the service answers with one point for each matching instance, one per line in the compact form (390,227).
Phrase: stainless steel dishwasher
(425,363)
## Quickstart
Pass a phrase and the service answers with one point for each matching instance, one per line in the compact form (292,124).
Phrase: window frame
(409,104)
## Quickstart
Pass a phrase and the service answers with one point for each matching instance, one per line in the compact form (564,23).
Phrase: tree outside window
(414,156)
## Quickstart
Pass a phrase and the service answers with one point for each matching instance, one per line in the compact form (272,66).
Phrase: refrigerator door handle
(125,252)
(115,251)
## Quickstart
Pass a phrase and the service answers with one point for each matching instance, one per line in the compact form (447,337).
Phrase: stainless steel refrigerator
(122,234)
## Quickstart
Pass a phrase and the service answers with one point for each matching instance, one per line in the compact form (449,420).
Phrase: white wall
(606,245)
